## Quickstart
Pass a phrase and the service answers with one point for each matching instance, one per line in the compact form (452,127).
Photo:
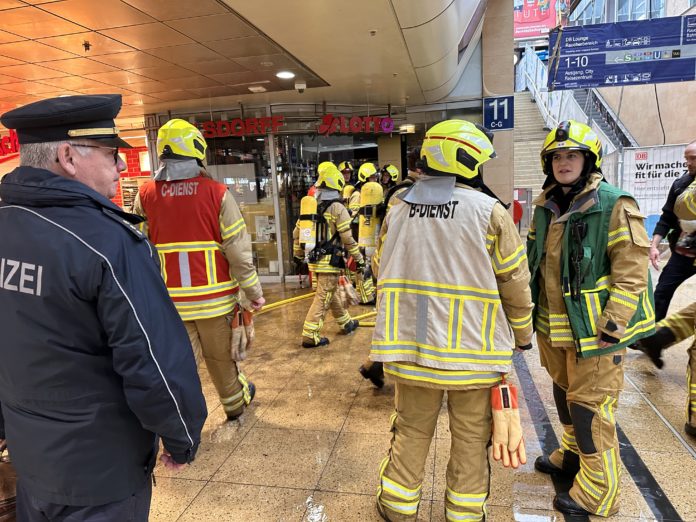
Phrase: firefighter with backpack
(322,235)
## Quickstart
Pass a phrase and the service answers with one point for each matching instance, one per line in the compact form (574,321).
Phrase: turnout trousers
(691,387)
(324,300)
(211,339)
(413,426)
(586,393)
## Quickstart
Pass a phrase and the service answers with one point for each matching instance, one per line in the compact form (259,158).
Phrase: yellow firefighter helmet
(456,147)
(365,171)
(572,135)
(348,192)
(392,170)
(178,138)
(330,177)
(345,165)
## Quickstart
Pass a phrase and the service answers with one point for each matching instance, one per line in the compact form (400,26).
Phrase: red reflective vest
(184,224)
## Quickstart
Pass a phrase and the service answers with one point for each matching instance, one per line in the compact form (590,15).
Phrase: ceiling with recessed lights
(191,55)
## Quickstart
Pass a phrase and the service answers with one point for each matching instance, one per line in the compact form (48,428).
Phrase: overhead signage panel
(626,53)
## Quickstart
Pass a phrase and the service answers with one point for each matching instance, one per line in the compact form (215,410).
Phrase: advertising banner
(626,53)
(535,18)
(648,174)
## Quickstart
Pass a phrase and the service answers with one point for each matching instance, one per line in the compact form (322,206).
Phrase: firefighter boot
(350,326)
(322,342)
(652,346)
(374,372)
(564,503)
(570,467)
(252,392)
(690,430)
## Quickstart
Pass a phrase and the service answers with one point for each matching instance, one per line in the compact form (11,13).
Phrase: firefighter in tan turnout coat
(326,260)
(453,304)
(671,330)
(205,254)
(588,258)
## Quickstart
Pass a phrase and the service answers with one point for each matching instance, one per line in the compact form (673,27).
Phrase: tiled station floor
(309,447)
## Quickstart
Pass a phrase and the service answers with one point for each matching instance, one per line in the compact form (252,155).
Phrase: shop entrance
(297,160)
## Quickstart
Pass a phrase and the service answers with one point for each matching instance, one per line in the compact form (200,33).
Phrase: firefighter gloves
(508,444)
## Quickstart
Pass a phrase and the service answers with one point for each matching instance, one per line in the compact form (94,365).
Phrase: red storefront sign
(241,127)
(9,144)
(331,124)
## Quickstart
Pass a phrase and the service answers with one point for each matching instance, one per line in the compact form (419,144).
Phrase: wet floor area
(309,447)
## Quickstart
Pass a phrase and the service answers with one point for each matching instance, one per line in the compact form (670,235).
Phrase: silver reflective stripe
(443,291)
(487,327)
(594,309)
(421,318)
(454,340)
(202,290)
(455,516)
(382,347)
(210,261)
(184,269)
(205,303)
(190,315)
(393,296)
(442,375)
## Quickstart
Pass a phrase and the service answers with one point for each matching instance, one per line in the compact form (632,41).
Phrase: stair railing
(532,74)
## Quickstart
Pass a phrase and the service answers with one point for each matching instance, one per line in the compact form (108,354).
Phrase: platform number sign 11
(499,113)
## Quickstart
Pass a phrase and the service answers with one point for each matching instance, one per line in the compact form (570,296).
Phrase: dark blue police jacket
(95,362)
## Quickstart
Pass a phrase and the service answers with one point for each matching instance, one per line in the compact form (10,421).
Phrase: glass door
(297,158)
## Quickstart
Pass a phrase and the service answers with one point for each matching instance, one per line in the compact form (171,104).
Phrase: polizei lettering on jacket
(17,276)
(445,211)
(189,188)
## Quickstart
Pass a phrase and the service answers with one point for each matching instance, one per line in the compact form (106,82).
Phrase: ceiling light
(260,139)
(257,88)
(285,75)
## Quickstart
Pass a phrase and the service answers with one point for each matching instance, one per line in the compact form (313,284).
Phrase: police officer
(434,302)
(205,250)
(90,378)
(326,260)
(588,257)
(679,267)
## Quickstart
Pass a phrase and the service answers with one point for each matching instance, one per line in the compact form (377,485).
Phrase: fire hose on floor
(279,304)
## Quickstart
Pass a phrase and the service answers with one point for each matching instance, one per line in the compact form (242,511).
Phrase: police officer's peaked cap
(88,117)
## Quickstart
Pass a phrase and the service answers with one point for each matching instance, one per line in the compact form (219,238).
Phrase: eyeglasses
(114,149)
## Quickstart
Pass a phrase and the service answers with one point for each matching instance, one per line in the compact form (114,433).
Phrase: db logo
(641,156)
